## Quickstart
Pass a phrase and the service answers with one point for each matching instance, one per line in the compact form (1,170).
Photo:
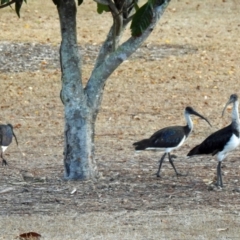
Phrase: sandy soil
(191,58)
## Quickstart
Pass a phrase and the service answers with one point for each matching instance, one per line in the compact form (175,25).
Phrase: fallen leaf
(136,117)
(222,229)
(73,191)
(29,236)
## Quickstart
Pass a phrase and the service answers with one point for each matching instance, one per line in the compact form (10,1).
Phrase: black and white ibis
(222,141)
(6,135)
(169,138)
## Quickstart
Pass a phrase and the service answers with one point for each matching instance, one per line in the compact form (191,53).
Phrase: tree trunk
(79,160)
(80,119)
(82,104)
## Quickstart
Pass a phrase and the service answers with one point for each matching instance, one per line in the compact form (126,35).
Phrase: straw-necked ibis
(222,141)
(169,138)
(6,135)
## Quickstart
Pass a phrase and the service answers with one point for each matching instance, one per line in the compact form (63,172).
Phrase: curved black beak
(199,115)
(15,137)
(232,99)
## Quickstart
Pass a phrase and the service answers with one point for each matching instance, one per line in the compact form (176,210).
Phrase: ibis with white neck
(6,135)
(222,141)
(169,138)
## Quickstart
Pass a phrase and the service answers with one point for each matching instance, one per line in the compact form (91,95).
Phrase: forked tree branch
(100,74)
(105,49)
(117,23)
(107,46)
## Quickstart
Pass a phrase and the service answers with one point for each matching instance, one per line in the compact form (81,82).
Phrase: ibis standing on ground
(6,135)
(223,141)
(169,138)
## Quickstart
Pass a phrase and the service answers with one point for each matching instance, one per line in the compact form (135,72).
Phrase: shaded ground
(20,57)
(192,58)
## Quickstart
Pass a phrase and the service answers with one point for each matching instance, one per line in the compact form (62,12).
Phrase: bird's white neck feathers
(235,115)
(188,120)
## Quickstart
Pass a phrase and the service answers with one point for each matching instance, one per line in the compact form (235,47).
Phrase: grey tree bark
(80,117)
(82,104)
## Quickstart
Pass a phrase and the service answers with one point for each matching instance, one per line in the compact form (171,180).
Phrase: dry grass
(39,23)
(142,96)
(171,224)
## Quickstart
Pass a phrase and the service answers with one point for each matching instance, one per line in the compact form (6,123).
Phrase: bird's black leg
(171,162)
(219,175)
(160,164)
(4,162)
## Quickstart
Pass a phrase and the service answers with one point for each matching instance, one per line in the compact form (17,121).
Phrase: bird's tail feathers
(194,151)
(141,145)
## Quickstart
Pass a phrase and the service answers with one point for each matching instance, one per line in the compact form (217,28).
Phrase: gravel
(21,57)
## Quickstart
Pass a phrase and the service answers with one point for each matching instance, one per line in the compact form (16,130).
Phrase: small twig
(7,4)
(104,2)
(117,22)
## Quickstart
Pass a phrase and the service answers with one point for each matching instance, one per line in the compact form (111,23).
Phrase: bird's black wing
(5,135)
(1,135)
(213,143)
(141,145)
(167,137)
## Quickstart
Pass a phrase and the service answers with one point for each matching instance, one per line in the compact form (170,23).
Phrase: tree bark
(79,159)
(80,119)
(81,105)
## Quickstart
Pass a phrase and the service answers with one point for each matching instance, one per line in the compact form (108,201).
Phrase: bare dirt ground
(191,58)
